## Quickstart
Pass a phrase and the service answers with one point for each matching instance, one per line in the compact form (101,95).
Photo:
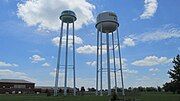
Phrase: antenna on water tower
(107,22)
(68,17)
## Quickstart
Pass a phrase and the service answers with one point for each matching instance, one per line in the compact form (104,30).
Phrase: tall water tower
(68,17)
(107,24)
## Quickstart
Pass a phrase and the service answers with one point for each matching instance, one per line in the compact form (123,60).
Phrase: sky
(149,37)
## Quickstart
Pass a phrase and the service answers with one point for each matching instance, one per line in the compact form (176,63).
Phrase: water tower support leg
(120,61)
(101,61)
(66,61)
(108,65)
(97,62)
(58,61)
(74,73)
(114,63)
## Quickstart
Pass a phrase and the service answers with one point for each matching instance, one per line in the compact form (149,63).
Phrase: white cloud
(15,65)
(153,69)
(61,73)
(153,74)
(164,33)
(150,9)
(128,71)
(128,42)
(151,61)
(123,60)
(36,58)
(167,32)
(91,63)
(45,13)
(90,49)
(52,57)
(46,64)
(87,49)
(53,74)
(9,74)
(4,64)
(78,40)
(147,81)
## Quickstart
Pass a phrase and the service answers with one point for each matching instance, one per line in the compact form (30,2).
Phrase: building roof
(13,81)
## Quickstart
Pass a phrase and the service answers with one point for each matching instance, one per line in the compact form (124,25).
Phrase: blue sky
(149,33)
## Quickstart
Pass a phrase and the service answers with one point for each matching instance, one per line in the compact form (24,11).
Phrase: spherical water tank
(108,21)
(68,16)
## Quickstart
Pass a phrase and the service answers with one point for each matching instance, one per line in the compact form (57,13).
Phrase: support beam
(101,63)
(66,61)
(108,65)
(120,61)
(97,62)
(74,65)
(58,61)
(114,62)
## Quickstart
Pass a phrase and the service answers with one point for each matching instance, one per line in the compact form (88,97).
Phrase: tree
(82,90)
(151,89)
(91,89)
(130,89)
(168,87)
(114,97)
(174,74)
(141,89)
(159,89)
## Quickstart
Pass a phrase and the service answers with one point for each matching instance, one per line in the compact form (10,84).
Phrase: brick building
(13,86)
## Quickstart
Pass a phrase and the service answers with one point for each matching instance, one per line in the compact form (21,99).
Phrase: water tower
(68,17)
(107,24)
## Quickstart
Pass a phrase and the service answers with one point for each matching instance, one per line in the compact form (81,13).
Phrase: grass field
(142,97)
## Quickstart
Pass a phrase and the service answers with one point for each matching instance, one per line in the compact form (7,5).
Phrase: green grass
(45,98)
(142,97)
(159,97)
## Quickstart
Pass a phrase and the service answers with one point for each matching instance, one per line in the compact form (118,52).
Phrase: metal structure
(68,17)
(107,24)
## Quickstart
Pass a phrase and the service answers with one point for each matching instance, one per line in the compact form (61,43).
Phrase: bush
(114,97)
